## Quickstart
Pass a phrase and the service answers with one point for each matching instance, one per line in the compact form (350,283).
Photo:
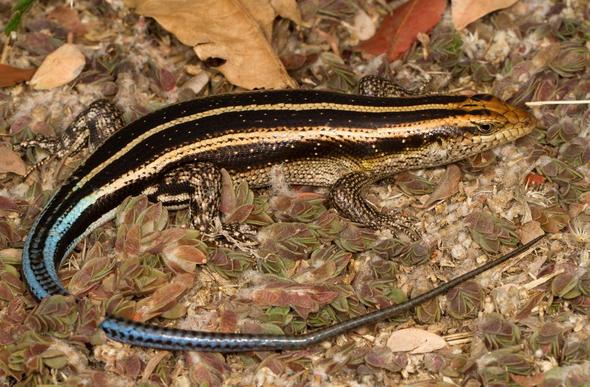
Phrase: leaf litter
(305,266)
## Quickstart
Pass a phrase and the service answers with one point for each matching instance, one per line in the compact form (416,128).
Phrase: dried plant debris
(10,76)
(283,261)
(467,11)
(59,68)
(203,25)
(400,29)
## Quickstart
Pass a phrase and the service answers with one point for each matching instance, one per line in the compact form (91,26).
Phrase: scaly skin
(318,138)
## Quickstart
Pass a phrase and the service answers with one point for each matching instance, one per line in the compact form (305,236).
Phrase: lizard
(319,138)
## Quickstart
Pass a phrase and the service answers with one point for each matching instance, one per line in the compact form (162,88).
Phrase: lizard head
(469,126)
(490,121)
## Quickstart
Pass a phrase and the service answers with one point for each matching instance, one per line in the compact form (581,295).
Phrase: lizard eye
(486,128)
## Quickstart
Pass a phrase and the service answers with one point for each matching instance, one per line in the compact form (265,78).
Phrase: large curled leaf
(235,31)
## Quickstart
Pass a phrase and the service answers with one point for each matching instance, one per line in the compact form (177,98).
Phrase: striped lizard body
(318,138)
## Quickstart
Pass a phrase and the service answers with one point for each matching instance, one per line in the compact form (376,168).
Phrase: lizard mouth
(520,121)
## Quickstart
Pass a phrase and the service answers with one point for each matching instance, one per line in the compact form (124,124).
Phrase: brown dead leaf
(249,59)
(286,9)
(447,187)
(58,68)
(10,76)
(400,29)
(10,161)
(552,219)
(530,231)
(8,203)
(465,12)
(68,18)
(415,340)
(529,380)
(12,256)
(262,13)
(531,303)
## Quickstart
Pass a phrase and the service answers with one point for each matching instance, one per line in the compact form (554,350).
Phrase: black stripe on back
(214,126)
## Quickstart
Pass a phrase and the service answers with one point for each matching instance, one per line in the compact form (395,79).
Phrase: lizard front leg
(196,186)
(346,195)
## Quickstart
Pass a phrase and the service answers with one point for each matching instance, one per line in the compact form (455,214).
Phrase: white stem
(570,102)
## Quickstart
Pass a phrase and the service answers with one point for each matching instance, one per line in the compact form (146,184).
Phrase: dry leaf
(11,162)
(415,340)
(287,9)
(400,29)
(465,12)
(261,12)
(10,76)
(529,231)
(8,204)
(58,68)
(250,61)
(68,18)
(529,380)
(447,187)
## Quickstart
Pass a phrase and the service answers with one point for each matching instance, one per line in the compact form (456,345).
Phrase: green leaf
(18,11)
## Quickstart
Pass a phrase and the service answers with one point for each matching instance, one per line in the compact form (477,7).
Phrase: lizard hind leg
(92,126)
(346,197)
(374,86)
(102,119)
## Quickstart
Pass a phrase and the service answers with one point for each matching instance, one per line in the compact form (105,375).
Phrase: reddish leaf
(529,380)
(164,298)
(166,79)
(534,180)
(240,214)
(400,28)
(228,321)
(129,366)
(184,258)
(10,76)
(206,369)
(383,357)
(301,297)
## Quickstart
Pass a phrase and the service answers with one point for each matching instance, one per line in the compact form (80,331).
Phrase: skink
(318,138)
